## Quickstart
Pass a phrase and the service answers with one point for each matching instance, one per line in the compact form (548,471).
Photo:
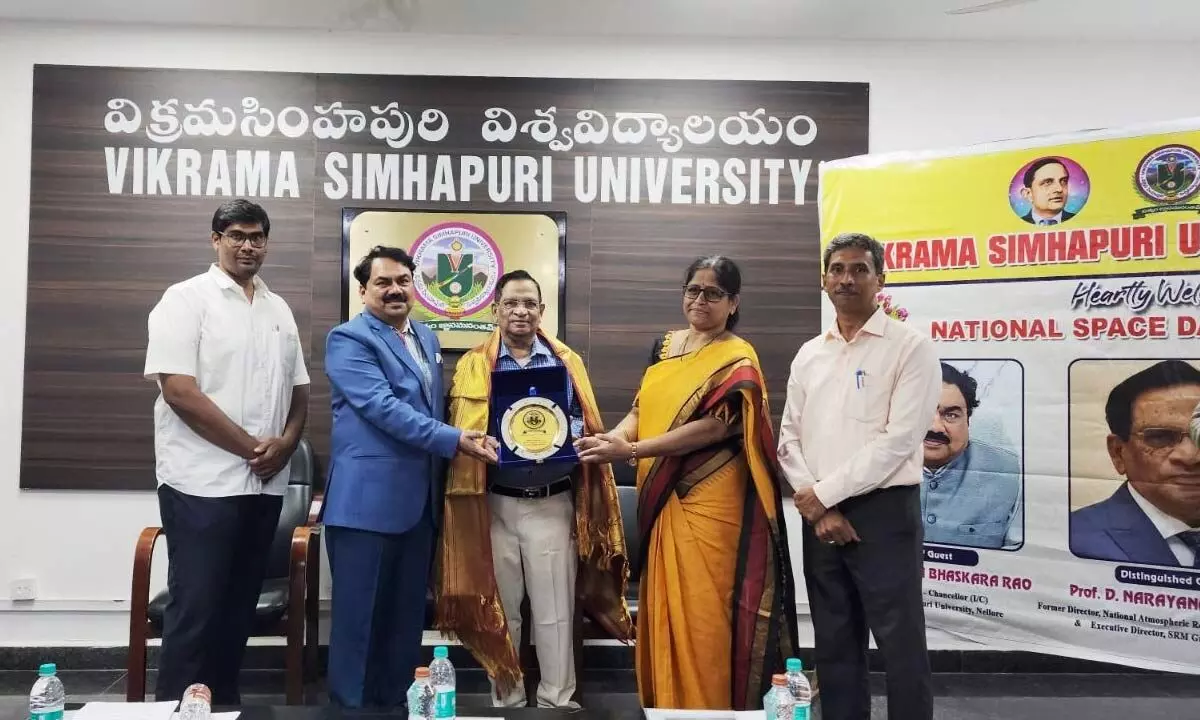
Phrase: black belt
(533,493)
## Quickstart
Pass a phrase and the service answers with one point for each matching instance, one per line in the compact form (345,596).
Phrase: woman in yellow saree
(716,611)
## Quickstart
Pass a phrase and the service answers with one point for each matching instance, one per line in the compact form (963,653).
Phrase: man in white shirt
(859,400)
(226,355)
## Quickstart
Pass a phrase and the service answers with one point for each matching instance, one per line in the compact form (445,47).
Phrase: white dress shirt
(413,344)
(1167,526)
(1055,219)
(857,411)
(245,356)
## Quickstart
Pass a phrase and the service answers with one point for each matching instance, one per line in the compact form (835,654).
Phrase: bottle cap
(47,669)
(198,690)
(421,674)
(779,680)
(441,652)
(794,665)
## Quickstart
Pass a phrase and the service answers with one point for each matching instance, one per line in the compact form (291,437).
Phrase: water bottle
(778,702)
(48,698)
(420,696)
(797,684)
(441,677)
(196,703)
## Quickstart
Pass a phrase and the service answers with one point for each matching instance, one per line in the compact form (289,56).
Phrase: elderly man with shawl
(551,530)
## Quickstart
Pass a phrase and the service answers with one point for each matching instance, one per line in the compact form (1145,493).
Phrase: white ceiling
(1172,21)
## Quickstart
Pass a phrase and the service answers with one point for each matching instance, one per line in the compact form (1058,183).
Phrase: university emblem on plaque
(1168,176)
(458,265)
(534,428)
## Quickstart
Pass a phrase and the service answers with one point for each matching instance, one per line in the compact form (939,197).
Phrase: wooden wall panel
(99,261)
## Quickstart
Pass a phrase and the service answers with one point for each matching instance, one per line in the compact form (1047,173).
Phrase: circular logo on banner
(458,265)
(1169,174)
(534,428)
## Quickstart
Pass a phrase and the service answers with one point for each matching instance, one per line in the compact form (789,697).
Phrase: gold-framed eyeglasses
(1159,439)
(711,294)
(236,239)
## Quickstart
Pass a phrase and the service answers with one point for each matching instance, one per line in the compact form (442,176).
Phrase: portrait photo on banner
(1133,481)
(974,457)
(1049,190)
(459,258)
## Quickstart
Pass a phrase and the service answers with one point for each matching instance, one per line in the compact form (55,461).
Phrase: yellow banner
(1090,204)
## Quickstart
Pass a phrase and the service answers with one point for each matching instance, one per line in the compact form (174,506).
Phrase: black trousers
(876,584)
(217,550)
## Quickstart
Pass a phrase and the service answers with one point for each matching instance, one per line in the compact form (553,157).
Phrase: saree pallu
(717,612)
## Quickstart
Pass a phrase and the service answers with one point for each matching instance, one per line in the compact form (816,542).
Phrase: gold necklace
(688,340)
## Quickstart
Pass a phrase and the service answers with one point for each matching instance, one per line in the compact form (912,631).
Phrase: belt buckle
(532,493)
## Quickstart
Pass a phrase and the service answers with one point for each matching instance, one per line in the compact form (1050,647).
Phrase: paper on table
(126,711)
(231,715)
(665,714)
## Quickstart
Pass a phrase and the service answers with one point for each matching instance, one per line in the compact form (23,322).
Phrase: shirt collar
(539,348)
(955,464)
(227,283)
(875,325)
(1166,525)
(1039,220)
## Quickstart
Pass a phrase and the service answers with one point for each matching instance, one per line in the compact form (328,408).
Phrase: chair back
(296,501)
(629,502)
(624,474)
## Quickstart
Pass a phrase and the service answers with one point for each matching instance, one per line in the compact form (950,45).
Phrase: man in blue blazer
(1154,517)
(384,497)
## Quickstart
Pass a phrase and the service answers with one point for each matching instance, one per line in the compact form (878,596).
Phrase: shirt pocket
(867,399)
(983,534)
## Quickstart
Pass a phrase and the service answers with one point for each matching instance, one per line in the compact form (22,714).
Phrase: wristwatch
(633,458)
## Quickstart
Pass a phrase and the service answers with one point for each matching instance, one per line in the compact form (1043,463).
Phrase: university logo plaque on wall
(458,265)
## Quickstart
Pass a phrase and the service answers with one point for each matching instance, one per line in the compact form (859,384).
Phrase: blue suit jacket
(388,442)
(1117,529)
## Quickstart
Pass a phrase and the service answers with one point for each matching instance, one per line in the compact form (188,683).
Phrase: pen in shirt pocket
(860,379)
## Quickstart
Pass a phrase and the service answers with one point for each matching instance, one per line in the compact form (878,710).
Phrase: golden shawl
(467,601)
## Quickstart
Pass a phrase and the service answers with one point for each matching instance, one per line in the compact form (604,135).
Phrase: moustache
(395,297)
(934,436)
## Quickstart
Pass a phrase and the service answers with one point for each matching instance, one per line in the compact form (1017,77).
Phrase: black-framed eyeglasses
(1159,439)
(236,239)
(711,294)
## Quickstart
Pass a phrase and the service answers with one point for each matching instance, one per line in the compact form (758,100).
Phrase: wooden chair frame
(298,624)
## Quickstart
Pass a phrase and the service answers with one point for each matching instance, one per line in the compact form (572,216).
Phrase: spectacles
(1159,439)
(510,305)
(236,239)
(711,294)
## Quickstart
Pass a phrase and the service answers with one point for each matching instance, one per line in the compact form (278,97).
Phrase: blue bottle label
(800,713)
(444,705)
(47,715)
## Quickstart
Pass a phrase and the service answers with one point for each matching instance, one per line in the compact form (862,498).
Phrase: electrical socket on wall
(23,589)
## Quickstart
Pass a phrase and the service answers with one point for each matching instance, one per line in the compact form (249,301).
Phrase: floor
(959,696)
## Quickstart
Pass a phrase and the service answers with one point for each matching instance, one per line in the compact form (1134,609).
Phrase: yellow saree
(717,613)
